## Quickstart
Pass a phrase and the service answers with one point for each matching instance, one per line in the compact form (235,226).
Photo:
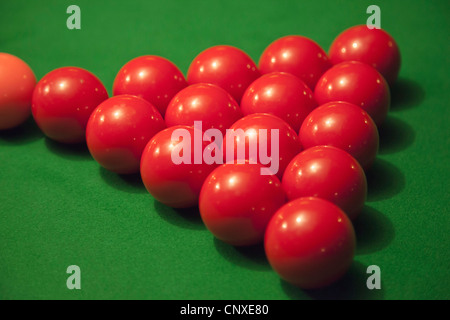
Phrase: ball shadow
(77,152)
(384,180)
(395,135)
(26,133)
(352,286)
(249,257)
(188,218)
(374,231)
(131,183)
(406,94)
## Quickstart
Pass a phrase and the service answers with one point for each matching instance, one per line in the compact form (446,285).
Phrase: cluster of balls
(326,109)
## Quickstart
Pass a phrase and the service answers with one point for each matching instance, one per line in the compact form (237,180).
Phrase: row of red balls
(235,208)
(297,55)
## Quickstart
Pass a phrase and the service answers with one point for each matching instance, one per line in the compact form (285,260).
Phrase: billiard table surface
(58,207)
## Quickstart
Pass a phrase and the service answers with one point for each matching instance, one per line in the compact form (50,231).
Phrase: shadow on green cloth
(384,180)
(26,133)
(188,218)
(352,286)
(73,152)
(395,135)
(406,94)
(131,183)
(374,231)
(249,257)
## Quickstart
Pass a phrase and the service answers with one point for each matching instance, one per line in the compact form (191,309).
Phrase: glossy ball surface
(345,126)
(228,67)
(204,102)
(281,94)
(119,129)
(153,78)
(357,83)
(262,134)
(63,101)
(375,47)
(175,185)
(310,243)
(328,173)
(297,55)
(17,82)
(237,202)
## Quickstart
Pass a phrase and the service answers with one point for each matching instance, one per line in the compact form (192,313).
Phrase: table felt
(58,207)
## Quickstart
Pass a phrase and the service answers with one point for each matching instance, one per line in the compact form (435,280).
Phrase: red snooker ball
(310,243)
(17,82)
(204,102)
(153,78)
(375,47)
(345,126)
(175,184)
(328,173)
(119,129)
(281,94)
(228,67)
(265,139)
(297,55)
(357,83)
(63,101)
(237,202)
